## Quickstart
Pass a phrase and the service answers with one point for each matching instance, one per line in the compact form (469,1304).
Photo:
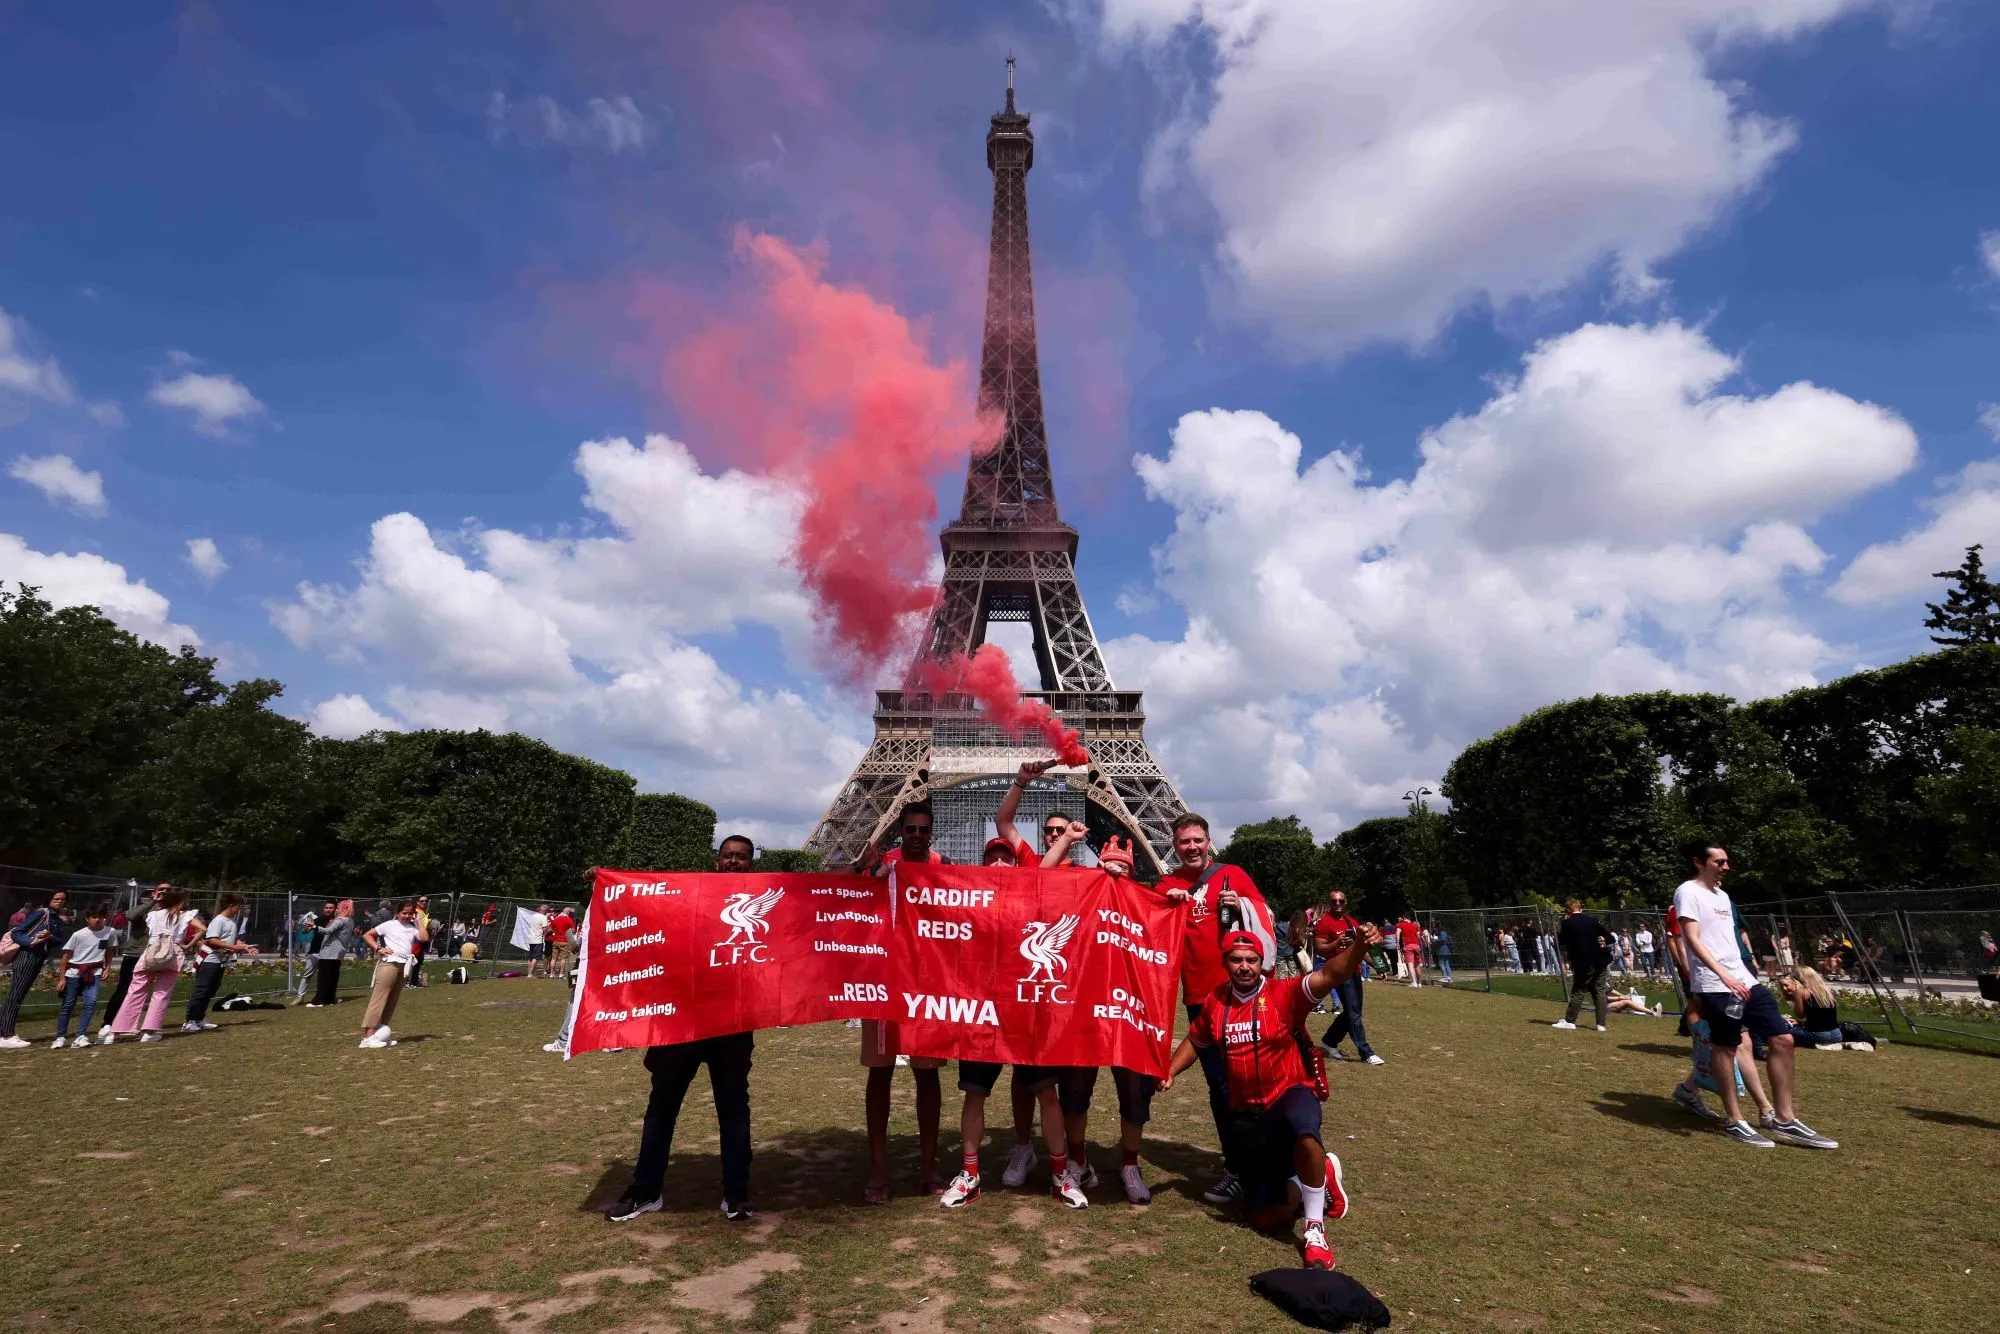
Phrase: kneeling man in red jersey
(1274,1098)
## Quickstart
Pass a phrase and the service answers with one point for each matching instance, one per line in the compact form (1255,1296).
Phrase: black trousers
(27,966)
(207,981)
(1348,1021)
(126,967)
(326,982)
(674,1068)
(1215,1073)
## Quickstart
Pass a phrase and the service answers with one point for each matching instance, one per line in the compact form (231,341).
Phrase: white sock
(1314,1198)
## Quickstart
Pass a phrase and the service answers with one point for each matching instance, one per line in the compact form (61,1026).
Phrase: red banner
(677,957)
(1059,967)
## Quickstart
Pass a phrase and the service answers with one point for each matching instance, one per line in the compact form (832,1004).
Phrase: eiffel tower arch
(1008,557)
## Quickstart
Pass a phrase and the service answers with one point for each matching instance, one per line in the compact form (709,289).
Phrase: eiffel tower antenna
(1008,557)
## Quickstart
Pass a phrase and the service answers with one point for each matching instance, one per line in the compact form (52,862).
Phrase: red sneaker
(1336,1190)
(1319,1255)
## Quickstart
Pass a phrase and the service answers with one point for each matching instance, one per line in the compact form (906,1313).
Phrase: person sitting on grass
(1274,1100)
(1818,1023)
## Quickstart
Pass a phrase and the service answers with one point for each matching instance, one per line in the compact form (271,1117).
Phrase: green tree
(1281,857)
(670,833)
(1780,844)
(1429,872)
(1965,802)
(789,859)
(1970,612)
(83,707)
(1371,856)
(230,794)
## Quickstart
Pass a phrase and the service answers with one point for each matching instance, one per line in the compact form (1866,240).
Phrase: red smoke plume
(989,678)
(835,390)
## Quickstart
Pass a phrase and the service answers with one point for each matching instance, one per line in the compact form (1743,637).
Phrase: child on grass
(79,970)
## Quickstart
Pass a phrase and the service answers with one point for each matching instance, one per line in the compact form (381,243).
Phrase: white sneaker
(1064,1188)
(1085,1174)
(1601,1028)
(854,1023)
(372,1043)
(1563,1024)
(1020,1162)
(106,1038)
(190,1027)
(555,1047)
(382,1035)
(103,1031)
(59,1044)
(902,1061)
(13,1042)
(207,1027)
(1135,1185)
(1332,1053)
(963,1190)
(1373,1059)
(149,1037)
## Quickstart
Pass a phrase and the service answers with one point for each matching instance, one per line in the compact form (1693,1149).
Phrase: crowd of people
(146,954)
(1249,984)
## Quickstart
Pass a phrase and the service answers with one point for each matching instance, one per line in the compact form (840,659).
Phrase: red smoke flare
(835,390)
(989,678)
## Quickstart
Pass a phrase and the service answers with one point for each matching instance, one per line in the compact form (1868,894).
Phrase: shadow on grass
(1943,1118)
(1654,1110)
(817,1168)
(1658,1048)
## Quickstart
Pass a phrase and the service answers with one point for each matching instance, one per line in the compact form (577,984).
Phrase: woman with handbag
(28,946)
(334,939)
(158,969)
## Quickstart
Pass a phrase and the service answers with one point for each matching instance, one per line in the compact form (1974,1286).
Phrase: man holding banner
(673,1066)
(1220,899)
(1256,1025)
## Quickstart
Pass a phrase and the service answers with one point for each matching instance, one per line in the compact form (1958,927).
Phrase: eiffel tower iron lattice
(1007,557)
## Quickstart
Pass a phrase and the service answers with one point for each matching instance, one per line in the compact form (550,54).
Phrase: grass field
(1505,1176)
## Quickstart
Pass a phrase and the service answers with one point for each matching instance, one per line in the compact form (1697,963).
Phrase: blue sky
(1633,350)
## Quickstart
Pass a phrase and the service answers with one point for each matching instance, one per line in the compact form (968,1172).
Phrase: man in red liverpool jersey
(1220,898)
(1257,1026)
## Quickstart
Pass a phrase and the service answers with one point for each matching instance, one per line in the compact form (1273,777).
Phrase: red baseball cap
(1242,940)
(1004,846)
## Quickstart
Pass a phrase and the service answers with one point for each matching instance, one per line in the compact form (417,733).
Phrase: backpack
(163,948)
(1321,1299)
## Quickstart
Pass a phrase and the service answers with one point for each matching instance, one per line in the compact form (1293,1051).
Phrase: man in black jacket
(1587,946)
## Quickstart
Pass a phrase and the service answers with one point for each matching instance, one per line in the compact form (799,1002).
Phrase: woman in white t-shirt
(167,933)
(395,944)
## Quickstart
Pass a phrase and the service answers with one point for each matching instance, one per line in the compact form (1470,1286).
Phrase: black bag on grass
(1321,1298)
(456,976)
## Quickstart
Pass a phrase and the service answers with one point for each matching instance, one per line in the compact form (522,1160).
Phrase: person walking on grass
(32,939)
(79,969)
(395,945)
(169,929)
(1588,947)
(1331,934)
(315,934)
(1411,937)
(221,943)
(1441,947)
(673,1067)
(538,938)
(1735,1002)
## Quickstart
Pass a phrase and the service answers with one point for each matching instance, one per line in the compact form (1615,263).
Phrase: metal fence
(473,930)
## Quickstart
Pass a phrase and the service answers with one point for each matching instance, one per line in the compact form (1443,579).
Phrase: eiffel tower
(1008,557)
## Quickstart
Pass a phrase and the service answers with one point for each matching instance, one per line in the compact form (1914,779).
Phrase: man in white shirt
(1643,941)
(538,937)
(1732,1000)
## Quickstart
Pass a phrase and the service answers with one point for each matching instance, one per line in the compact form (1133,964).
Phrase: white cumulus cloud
(586,639)
(1904,569)
(213,403)
(1989,252)
(57,477)
(344,717)
(26,370)
(83,578)
(1611,519)
(206,558)
(1376,166)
